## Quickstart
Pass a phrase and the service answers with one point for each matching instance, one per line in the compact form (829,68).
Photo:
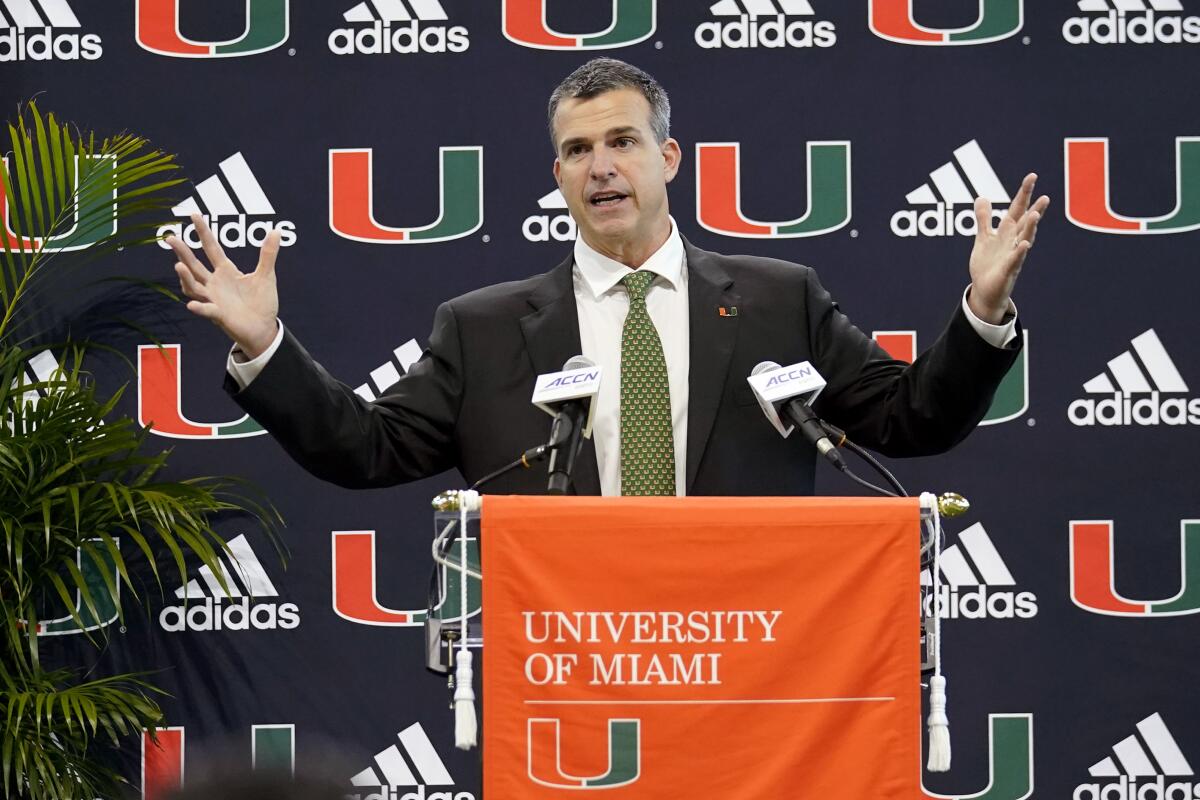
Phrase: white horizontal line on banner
(782,701)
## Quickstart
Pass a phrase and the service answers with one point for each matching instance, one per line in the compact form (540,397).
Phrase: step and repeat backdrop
(400,147)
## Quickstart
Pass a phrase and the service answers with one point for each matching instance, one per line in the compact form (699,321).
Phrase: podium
(701,647)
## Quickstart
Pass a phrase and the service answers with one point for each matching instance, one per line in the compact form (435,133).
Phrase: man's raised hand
(1000,252)
(244,306)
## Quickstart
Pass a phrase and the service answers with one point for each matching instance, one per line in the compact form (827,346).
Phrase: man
(647,307)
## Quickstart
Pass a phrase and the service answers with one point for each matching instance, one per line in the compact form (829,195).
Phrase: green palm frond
(89,518)
(67,193)
(52,723)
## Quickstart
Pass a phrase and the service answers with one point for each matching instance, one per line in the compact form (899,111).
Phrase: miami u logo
(524,23)
(894,20)
(157,30)
(718,192)
(103,599)
(1010,760)
(1088,191)
(272,747)
(460,200)
(1093,573)
(545,755)
(355,579)
(160,400)
(96,208)
(1012,395)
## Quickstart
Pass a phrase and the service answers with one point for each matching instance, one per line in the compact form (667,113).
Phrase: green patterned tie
(647,440)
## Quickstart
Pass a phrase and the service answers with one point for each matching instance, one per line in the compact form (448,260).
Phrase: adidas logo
(41,368)
(215,610)
(387,26)
(1151,753)
(955,183)
(1146,370)
(27,32)
(764,23)
(1132,22)
(386,374)
(217,201)
(971,571)
(422,768)
(543,227)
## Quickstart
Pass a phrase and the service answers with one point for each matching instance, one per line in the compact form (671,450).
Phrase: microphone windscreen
(578,362)
(763,366)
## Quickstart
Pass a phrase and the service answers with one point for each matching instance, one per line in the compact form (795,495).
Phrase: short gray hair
(604,75)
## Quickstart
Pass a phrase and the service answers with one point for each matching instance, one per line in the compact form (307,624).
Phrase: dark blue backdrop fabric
(401,147)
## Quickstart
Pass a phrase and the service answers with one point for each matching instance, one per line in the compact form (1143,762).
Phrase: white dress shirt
(602,304)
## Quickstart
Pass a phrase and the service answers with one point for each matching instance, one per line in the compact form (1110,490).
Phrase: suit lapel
(551,332)
(712,337)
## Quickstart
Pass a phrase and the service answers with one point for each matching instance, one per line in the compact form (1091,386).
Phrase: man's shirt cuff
(995,335)
(246,370)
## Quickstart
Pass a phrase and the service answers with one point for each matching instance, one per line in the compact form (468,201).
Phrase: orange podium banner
(701,647)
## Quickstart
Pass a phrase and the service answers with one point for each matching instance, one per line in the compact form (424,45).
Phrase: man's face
(613,173)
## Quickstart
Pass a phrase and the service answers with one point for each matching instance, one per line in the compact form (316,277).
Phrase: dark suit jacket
(466,403)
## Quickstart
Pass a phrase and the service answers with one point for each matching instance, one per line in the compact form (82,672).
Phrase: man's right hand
(246,307)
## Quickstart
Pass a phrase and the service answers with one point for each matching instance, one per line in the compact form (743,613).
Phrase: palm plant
(75,479)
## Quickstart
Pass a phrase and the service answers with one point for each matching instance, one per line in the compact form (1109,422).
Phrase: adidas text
(1126,789)
(979,603)
(410,38)
(543,228)
(1119,28)
(25,44)
(231,615)
(231,232)
(404,793)
(1121,409)
(776,32)
(941,220)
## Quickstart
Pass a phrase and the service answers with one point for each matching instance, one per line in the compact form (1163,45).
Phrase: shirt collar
(601,273)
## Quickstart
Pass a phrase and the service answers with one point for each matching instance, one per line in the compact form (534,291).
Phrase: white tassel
(466,727)
(939,723)
(939,726)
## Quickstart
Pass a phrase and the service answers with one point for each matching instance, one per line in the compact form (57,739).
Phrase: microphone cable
(838,435)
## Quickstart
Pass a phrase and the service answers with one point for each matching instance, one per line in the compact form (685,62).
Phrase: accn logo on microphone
(157,29)
(719,188)
(524,23)
(895,20)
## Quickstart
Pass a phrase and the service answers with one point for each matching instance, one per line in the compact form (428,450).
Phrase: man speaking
(675,329)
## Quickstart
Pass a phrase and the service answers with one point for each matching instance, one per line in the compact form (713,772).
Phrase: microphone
(790,390)
(567,395)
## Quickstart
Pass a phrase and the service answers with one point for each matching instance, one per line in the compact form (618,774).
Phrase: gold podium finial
(447,501)
(953,504)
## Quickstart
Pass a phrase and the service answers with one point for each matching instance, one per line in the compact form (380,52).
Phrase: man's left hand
(1000,252)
